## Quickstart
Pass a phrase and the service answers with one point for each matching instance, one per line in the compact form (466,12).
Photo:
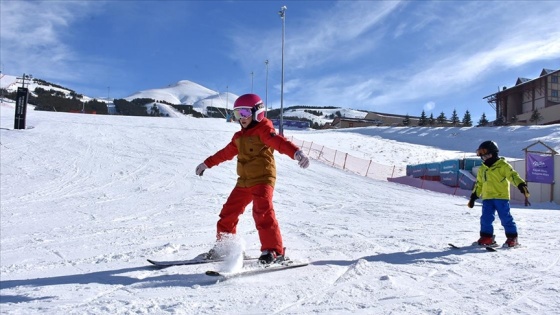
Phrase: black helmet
(487,147)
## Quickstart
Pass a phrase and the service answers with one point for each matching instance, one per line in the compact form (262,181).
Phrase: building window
(554,93)
(554,79)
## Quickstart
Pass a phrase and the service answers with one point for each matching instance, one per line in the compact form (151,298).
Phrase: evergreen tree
(467,121)
(423,119)
(406,120)
(441,118)
(536,117)
(454,118)
(431,120)
(483,121)
(499,121)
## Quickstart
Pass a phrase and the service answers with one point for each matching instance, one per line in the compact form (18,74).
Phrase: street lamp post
(282,14)
(252,76)
(266,90)
(1,89)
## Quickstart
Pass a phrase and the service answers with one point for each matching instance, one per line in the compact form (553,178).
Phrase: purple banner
(540,168)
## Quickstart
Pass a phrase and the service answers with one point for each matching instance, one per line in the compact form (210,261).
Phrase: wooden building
(518,103)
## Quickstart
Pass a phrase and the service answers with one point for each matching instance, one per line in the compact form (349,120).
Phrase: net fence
(347,162)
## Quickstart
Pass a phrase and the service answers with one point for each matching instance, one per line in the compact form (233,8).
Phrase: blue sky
(387,56)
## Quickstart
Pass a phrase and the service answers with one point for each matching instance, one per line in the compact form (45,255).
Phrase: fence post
(457,187)
(367,171)
(345,158)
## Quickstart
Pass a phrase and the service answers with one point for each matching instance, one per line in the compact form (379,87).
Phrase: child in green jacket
(492,185)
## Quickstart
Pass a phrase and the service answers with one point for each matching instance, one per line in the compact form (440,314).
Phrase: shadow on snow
(109,277)
(408,257)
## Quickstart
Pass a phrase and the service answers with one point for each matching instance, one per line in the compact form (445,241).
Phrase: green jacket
(493,182)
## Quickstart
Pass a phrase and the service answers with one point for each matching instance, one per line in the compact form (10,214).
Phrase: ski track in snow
(87,199)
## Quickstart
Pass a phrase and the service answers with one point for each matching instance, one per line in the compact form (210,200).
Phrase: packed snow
(86,199)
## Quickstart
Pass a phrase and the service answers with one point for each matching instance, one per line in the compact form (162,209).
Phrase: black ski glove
(523,189)
(471,201)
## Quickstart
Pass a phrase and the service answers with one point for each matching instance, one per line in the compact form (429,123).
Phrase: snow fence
(426,176)
(347,162)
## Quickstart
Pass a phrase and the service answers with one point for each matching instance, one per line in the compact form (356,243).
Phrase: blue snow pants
(489,208)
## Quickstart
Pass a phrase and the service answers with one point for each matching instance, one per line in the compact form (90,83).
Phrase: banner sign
(292,123)
(449,178)
(540,168)
(21,108)
(449,166)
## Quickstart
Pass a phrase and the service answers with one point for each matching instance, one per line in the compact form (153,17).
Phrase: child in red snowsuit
(254,147)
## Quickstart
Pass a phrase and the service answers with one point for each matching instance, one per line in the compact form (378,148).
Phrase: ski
(495,249)
(251,272)
(193,261)
(474,245)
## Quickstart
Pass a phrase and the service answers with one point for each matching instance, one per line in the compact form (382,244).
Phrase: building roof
(547,71)
(521,81)
(393,115)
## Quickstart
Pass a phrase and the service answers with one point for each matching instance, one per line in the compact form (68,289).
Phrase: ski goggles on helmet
(482,152)
(239,113)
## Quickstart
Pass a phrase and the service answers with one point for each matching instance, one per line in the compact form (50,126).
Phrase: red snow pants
(263,214)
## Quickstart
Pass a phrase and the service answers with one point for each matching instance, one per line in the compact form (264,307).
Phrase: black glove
(471,201)
(523,189)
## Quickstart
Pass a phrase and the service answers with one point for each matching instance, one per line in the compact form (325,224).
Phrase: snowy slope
(86,199)
(400,145)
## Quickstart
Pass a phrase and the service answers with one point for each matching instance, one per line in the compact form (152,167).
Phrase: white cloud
(338,34)
(462,49)
(32,36)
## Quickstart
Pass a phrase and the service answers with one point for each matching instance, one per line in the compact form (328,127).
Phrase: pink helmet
(252,102)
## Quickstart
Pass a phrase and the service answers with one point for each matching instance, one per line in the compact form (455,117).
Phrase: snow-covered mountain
(189,93)
(11,83)
(186,92)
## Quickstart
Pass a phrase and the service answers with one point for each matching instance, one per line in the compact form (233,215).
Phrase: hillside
(186,93)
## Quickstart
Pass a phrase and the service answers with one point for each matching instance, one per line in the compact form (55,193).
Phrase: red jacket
(254,148)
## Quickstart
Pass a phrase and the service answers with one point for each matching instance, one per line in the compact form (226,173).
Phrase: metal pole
(283,17)
(266,91)
(2,89)
(228,117)
(251,81)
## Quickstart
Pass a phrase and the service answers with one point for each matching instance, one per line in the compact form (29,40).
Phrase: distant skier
(492,185)
(254,147)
